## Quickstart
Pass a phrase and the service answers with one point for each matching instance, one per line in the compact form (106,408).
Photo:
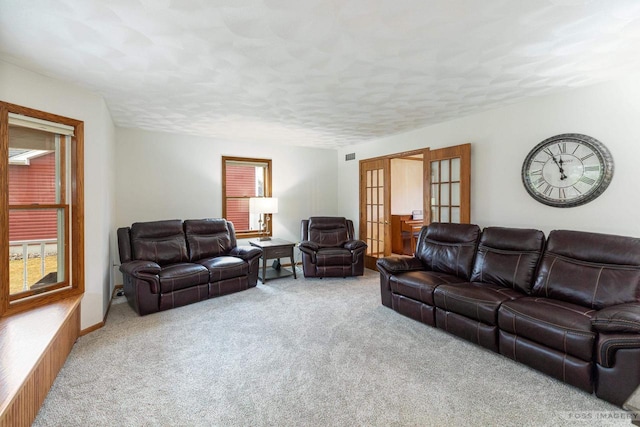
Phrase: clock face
(567,170)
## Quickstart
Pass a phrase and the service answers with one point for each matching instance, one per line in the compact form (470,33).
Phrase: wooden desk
(400,223)
(275,248)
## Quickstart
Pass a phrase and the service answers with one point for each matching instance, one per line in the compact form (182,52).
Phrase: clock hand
(562,175)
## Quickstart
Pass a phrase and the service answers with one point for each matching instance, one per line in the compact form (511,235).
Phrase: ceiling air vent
(350,156)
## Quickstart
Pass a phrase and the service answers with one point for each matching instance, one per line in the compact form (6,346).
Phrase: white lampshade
(263,205)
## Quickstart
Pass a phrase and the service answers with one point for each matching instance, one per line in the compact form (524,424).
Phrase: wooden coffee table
(275,248)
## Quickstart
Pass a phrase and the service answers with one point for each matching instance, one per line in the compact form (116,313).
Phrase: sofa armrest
(308,246)
(354,245)
(143,270)
(623,318)
(138,267)
(608,344)
(400,263)
(247,253)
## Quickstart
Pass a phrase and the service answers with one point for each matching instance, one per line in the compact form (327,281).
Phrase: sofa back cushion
(508,257)
(590,269)
(448,248)
(162,242)
(327,231)
(208,238)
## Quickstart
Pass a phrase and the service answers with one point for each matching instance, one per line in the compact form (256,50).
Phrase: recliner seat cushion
(333,256)
(225,267)
(182,275)
(556,324)
(477,301)
(419,285)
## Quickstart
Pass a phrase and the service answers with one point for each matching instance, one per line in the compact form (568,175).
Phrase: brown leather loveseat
(166,264)
(569,308)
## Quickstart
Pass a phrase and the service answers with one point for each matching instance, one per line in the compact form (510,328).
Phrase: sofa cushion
(333,256)
(207,238)
(448,248)
(556,324)
(419,285)
(477,301)
(589,269)
(182,275)
(328,231)
(162,242)
(508,257)
(225,267)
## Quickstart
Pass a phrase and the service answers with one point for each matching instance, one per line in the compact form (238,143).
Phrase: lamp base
(262,239)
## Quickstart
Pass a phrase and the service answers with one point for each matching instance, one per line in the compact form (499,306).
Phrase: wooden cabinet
(404,232)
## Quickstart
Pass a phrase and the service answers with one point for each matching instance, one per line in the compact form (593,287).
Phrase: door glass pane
(444,214)
(369,178)
(435,171)
(434,214)
(455,169)
(455,194)
(435,194)
(380,195)
(444,194)
(455,215)
(380,178)
(444,173)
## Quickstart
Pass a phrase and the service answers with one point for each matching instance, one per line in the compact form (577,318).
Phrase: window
(42,221)
(243,178)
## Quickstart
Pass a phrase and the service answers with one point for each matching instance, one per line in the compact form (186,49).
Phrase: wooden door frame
(362,232)
(462,151)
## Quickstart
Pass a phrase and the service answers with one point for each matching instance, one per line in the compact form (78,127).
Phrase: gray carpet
(303,352)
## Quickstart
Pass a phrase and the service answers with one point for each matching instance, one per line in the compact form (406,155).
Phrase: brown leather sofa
(570,309)
(167,264)
(329,249)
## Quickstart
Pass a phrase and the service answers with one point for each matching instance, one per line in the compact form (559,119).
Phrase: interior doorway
(398,196)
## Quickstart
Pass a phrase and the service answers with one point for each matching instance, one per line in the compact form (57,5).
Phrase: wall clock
(567,170)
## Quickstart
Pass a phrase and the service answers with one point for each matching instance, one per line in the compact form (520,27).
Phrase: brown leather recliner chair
(329,249)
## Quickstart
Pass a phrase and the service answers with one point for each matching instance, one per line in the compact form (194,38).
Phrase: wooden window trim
(267,190)
(75,227)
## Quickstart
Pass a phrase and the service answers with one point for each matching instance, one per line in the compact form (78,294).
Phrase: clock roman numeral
(547,190)
(587,180)
(561,193)
(591,168)
(548,152)
(582,159)
(538,172)
(562,147)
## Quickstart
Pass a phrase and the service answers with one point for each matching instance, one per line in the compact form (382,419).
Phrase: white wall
(22,87)
(169,176)
(502,138)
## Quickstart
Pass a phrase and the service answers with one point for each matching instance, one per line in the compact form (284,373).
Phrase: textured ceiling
(324,73)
